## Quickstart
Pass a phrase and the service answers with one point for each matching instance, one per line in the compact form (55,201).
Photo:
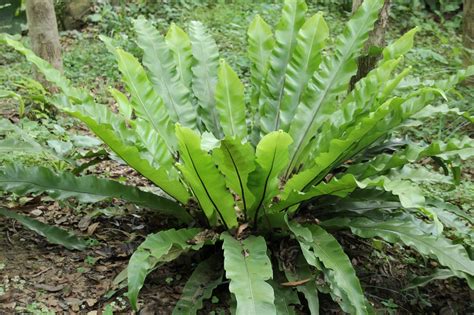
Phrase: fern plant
(239,174)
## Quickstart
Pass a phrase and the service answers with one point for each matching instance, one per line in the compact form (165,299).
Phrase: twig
(41,272)
(8,238)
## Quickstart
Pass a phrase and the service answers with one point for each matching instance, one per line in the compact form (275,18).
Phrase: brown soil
(37,274)
(79,282)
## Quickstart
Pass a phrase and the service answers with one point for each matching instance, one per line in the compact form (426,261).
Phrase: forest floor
(39,278)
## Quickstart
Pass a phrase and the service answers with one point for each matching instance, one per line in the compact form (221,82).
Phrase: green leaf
(159,155)
(455,79)
(108,310)
(271,157)
(332,79)
(16,139)
(85,141)
(431,111)
(25,180)
(339,149)
(236,160)
(180,45)
(10,145)
(206,57)
(109,127)
(292,18)
(392,84)
(360,202)
(209,142)
(230,102)
(248,267)
(285,298)
(204,179)
(309,289)
(260,46)
(17,97)
(163,246)
(437,274)
(53,234)
(304,61)
(337,187)
(409,194)
(452,216)
(368,129)
(400,46)
(453,256)
(100,121)
(320,247)
(146,103)
(205,278)
(159,61)
(455,148)
(61,148)
(419,175)
(51,74)
(154,144)
(360,101)
(124,106)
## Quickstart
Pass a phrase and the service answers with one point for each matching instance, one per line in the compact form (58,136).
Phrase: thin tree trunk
(43,31)
(368,59)
(468,35)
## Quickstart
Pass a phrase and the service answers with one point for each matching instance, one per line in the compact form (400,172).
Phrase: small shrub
(238,175)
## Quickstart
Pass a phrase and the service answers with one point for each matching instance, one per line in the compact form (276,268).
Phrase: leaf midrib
(239,178)
(228,102)
(265,186)
(249,282)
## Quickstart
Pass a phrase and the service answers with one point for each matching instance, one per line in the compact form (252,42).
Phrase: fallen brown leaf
(49,288)
(241,228)
(295,283)
(91,302)
(91,229)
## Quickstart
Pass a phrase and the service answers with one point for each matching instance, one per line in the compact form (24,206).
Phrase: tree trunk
(368,59)
(468,35)
(43,31)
